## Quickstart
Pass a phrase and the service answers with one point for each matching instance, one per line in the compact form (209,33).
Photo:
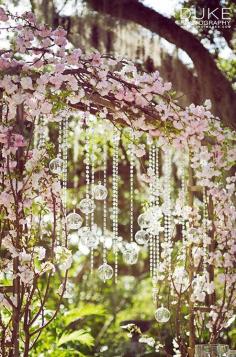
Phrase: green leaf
(87,310)
(81,336)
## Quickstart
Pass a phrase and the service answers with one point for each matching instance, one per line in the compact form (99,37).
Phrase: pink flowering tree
(43,81)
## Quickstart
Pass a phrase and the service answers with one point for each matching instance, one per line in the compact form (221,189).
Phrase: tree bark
(213,82)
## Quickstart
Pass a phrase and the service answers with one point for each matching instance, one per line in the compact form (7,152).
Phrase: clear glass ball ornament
(89,239)
(162,314)
(56,166)
(86,205)
(105,272)
(180,279)
(129,257)
(74,221)
(130,253)
(100,192)
(144,220)
(142,237)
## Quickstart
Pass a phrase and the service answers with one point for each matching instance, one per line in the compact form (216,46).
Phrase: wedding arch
(44,85)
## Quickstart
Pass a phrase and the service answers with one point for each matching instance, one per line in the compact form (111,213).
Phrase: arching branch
(213,82)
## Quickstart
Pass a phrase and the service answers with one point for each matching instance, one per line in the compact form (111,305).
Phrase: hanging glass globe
(105,272)
(130,257)
(100,192)
(144,220)
(180,279)
(142,237)
(74,221)
(130,253)
(162,314)
(89,239)
(86,206)
(56,166)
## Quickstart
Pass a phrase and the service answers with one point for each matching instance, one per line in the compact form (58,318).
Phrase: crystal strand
(157,189)
(60,207)
(92,193)
(153,165)
(115,198)
(104,202)
(131,147)
(116,174)
(151,238)
(87,171)
(64,177)
(205,229)
(182,220)
(167,222)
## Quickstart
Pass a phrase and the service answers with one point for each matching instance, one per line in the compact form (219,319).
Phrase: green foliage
(80,336)
(228,66)
(85,311)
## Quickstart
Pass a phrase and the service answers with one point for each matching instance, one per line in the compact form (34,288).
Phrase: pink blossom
(139,150)
(26,83)
(46,107)
(96,59)
(3,15)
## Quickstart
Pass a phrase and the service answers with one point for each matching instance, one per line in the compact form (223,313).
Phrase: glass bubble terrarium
(211,350)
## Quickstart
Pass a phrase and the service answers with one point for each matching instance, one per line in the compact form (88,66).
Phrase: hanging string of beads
(131,148)
(153,203)
(92,195)
(59,213)
(157,236)
(151,169)
(104,202)
(105,271)
(205,230)
(64,175)
(167,207)
(87,173)
(182,218)
(115,198)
